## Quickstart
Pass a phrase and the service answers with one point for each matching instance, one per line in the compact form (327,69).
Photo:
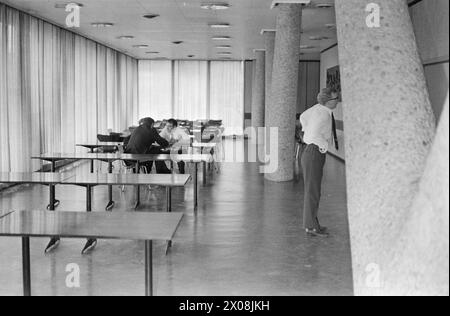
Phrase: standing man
(319,130)
(176,137)
(142,140)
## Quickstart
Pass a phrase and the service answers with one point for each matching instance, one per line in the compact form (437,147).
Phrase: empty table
(130,226)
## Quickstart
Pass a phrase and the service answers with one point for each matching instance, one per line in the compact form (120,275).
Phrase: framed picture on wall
(334,80)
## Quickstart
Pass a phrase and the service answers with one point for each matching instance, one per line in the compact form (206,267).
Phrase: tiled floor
(246,239)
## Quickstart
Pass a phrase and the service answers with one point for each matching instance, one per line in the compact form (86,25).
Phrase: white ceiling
(183,20)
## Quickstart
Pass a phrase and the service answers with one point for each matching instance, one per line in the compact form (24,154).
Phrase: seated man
(176,136)
(141,142)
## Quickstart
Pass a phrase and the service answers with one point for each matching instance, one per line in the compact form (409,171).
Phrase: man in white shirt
(319,130)
(176,137)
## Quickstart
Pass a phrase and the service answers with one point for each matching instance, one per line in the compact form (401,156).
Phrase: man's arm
(158,139)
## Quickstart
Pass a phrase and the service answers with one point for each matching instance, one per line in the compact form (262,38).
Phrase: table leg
(54,241)
(91,243)
(195,186)
(26,266)
(111,202)
(92,161)
(168,209)
(204,173)
(53,203)
(138,189)
(148,268)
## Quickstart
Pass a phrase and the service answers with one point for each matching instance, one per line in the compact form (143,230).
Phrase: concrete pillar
(269,45)
(258,99)
(389,130)
(419,264)
(280,112)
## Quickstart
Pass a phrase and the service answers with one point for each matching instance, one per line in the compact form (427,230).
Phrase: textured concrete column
(269,44)
(389,131)
(258,99)
(419,263)
(281,109)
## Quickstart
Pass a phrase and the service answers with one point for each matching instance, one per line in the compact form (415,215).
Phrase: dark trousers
(312,164)
(161,166)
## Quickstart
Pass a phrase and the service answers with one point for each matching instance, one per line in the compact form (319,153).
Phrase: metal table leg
(92,161)
(138,189)
(168,210)
(195,186)
(26,266)
(148,268)
(91,243)
(111,202)
(54,242)
(204,173)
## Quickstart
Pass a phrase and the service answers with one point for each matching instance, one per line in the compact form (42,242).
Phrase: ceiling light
(318,38)
(63,5)
(219,25)
(191,56)
(152,52)
(223,46)
(177,42)
(124,37)
(215,6)
(151,16)
(140,46)
(224,53)
(102,24)
(306,47)
(324,5)
(221,38)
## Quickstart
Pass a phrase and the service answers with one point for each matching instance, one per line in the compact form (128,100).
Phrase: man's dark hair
(174,122)
(298,116)
(147,121)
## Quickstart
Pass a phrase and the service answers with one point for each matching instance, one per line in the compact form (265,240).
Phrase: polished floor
(246,239)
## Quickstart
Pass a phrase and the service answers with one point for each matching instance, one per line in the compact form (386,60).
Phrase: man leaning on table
(319,129)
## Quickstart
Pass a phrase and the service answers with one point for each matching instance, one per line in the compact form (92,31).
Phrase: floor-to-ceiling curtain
(58,89)
(227,95)
(155,89)
(193,90)
(191,84)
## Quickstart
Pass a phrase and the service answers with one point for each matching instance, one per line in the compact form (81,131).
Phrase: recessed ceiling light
(191,56)
(324,5)
(63,5)
(221,38)
(152,52)
(223,46)
(151,16)
(102,24)
(140,46)
(215,6)
(177,42)
(124,37)
(306,47)
(219,25)
(318,38)
(224,53)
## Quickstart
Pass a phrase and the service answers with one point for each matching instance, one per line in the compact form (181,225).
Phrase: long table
(91,180)
(53,158)
(148,227)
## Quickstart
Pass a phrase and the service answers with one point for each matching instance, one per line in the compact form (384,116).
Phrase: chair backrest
(103,138)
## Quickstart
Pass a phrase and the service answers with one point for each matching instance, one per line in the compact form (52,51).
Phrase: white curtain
(155,89)
(193,90)
(191,84)
(58,89)
(227,95)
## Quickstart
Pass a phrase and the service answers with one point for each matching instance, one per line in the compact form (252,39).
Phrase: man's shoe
(317,233)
